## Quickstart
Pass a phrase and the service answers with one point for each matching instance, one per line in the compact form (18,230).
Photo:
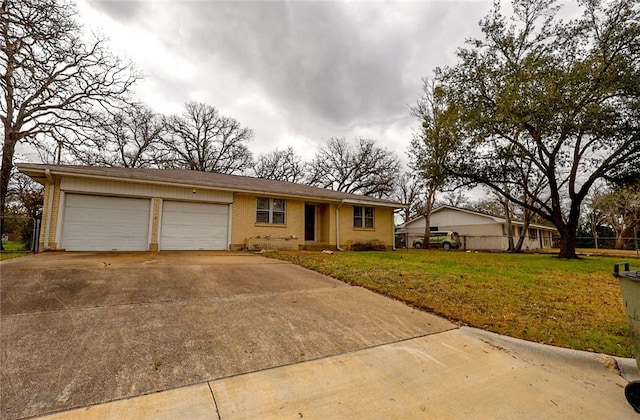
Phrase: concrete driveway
(86,328)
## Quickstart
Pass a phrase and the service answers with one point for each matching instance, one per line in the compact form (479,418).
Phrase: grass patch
(568,303)
(12,249)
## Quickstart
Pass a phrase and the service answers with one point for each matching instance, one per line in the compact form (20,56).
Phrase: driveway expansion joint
(214,400)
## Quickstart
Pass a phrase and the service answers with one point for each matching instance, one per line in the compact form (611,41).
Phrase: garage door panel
(96,223)
(194,226)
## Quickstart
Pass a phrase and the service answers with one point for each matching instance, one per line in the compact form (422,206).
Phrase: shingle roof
(204,179)
(497,219)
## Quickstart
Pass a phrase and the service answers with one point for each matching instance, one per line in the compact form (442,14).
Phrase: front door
(309,222)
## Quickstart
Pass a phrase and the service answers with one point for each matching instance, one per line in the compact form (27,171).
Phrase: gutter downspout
(338,226)
(393,230)
(47,229)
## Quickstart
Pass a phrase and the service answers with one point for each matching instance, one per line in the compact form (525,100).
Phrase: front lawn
(569,303)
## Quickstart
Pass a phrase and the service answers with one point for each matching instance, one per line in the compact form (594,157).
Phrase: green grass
(568,303)
(12,249)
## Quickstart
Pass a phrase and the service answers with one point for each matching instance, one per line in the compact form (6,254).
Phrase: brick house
(90,208)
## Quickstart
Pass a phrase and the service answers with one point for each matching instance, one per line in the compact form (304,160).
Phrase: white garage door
(189,226)
(96,223)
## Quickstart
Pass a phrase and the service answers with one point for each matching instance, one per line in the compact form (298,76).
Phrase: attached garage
(194,226)
(93,208)
(98,223)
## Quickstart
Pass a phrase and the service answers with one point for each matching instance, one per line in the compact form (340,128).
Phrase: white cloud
(297,73)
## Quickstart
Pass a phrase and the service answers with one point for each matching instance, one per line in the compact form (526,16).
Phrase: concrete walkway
(462,373)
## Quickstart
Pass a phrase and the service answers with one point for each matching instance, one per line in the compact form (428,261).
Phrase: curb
(626,368)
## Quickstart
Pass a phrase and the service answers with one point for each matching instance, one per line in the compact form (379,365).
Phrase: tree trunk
(620,236)
(568,243)
(8,150)
(431,198)
(426,243)
(594,228)
(507,218)
(525,228)
(518,245)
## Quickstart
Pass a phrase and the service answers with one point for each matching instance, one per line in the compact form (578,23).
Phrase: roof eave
(38,173)
(375,203)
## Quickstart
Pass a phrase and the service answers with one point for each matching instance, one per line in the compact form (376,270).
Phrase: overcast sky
(297,73)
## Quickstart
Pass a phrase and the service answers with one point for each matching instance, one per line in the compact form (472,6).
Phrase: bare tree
(203,140)
(592,217)
(25,196)
(620,209)
(364,168)
(409,191)
(455,198)
(50,76)
(431,148)
(281,165)
(128,137)
(488,204)
(24,205)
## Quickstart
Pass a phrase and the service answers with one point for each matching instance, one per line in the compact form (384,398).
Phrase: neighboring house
(123,209)
(477,230)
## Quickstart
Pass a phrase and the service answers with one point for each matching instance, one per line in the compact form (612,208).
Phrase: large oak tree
(201,139)
(549,103)
(361,168)
(52,75)
(281,165)
(129,136)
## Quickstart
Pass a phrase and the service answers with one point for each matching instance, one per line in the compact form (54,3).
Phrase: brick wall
(244,224)
(381,233)
(155,224)
(326,225)
(55,212)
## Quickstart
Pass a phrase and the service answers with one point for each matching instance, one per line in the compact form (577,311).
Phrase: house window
(363,217)
(533,233)
(271,210)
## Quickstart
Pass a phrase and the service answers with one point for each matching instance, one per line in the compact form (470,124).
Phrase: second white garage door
(194,226)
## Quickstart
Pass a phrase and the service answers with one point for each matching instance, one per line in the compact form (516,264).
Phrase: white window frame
(363,217)
(271,211)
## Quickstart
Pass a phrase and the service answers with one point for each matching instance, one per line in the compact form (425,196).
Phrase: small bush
(368,246)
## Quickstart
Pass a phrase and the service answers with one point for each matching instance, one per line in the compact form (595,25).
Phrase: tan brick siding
(381,232)
(55,212)
(325,229)
(155,223)
(45,210)
(244,226)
